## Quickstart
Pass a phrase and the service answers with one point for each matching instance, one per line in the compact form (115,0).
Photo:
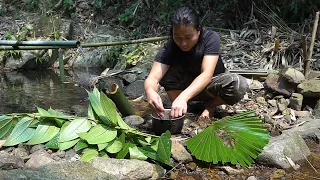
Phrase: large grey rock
(296,100)
(8,161)
(310,88)
(134,121)
(279,85)
(179,153)
(36,161)
(135,89)
(62,171)
(289,145)
(310,130)
(124,168)
(292,75)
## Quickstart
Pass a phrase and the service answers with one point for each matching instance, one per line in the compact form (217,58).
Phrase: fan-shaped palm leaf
(237,139)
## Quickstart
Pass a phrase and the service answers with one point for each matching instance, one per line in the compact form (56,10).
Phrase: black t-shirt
(191,61)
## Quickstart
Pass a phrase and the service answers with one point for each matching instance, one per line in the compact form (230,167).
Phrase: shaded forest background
(146,18)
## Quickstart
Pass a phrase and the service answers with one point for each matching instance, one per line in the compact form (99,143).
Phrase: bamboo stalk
(39,43)
(122,103)
(154,39)
(313,37)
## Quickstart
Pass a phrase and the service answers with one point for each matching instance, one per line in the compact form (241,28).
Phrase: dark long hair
(186,16)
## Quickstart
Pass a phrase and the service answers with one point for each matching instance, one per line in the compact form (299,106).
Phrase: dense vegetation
(145,18)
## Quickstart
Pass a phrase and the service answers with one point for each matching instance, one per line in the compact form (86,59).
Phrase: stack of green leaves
(102,133)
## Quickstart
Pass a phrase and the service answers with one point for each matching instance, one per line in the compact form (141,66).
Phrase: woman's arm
(179,106)
(158,70)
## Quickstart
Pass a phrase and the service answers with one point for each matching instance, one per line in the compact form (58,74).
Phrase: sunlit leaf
(102,146)
(68,144)
(43,112)
(76,126)
(81,145)
(53,143)
(95,103)
(100,134)
(164,148)
(44,133)
(21,132)
(88,155)
(237,139)
(124,151)
(114,146)
(109,109)
(135,153)
(5,125)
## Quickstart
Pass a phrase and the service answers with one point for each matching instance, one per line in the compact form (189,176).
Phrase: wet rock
(59,171)
(20,152)
(316,110)
(36,161)
(8,161)
(276,84)
(124,168)
(135,89)
(296,100)
(80,110)
(134,121)
(179,153)
(310,88)
(286,145)
(292,75)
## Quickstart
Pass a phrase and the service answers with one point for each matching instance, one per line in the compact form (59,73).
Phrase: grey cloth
(230,87)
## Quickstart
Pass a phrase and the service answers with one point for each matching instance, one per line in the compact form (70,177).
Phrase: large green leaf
(135,153)
(53,143)
(114,146)
(102,146)
(78,125)
(109,109)
(164,148)
(95,103)
(99,134)
(81,145)
(237,139)
(5,125)
(89,154)
(68,144)
(44,132)
(124,151)
(21,132)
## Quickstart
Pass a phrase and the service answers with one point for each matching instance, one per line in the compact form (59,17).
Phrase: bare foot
(207,113)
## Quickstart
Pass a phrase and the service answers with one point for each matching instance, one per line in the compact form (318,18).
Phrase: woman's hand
(178,108)
(155,103)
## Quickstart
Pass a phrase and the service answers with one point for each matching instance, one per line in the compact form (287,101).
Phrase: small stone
(296,100)
(20,152)
(179,153)
(231,171)
(192,166)
(36,148)
(38,160)
(173,175)
(278,174)
(261,100)
(251,178)
(273,102)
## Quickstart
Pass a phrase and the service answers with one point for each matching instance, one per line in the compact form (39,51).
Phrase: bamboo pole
(87,45)
(61,65)
(122,103)
(313,37)
(39,43)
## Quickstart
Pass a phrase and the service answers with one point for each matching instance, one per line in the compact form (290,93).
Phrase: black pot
(161,125)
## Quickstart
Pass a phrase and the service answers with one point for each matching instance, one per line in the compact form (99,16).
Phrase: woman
(189,67)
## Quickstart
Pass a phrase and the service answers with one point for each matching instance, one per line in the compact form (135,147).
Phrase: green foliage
(103,133)
(133,54)
(127,16)
(237,139)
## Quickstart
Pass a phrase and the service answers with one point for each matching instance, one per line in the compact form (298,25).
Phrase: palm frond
(237,139)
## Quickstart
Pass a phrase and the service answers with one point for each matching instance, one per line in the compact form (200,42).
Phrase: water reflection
(23,91)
